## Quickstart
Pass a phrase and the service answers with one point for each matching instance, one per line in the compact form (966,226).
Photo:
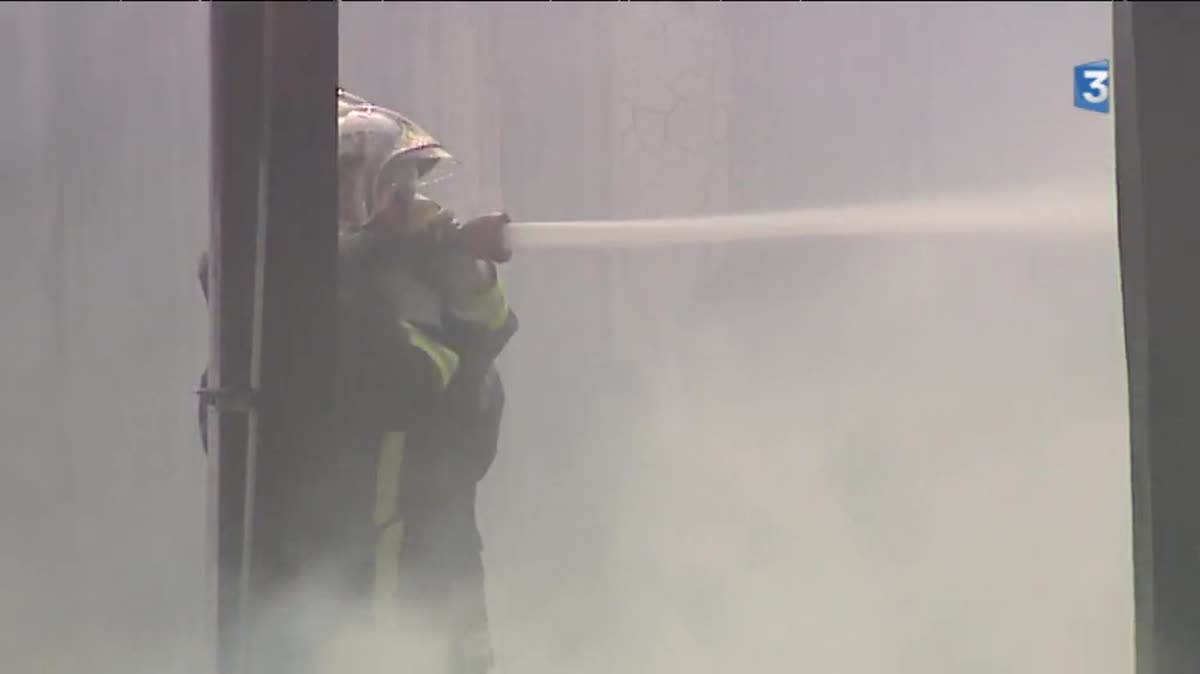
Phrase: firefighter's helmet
(380,153)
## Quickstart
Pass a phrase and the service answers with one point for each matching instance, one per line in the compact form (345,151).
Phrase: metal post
(275,266)
(1156,54)
(236,72)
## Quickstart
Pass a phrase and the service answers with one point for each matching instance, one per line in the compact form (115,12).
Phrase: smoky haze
(860,454)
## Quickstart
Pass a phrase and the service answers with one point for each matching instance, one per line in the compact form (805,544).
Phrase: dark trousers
(440,594)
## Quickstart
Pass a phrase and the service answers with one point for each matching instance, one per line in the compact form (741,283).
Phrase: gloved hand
(464,268)
(431,226)
(465,283)
(485,237)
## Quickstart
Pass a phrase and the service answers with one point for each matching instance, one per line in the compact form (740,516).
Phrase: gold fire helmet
(380,153)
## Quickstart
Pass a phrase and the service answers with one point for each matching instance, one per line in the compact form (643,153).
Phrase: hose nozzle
(485,237)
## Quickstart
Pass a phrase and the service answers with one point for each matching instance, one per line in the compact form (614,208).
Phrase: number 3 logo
(1093,86)
(1098,83)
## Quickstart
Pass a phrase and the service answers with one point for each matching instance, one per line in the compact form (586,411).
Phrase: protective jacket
(422,326)
(419,409)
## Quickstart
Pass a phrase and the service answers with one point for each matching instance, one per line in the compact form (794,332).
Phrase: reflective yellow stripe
(387,477)
(390,539)
(445,360)
(387,572)
(489,308)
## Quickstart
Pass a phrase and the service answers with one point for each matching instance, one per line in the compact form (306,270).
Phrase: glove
(468,286)
(464,269)
(485,237)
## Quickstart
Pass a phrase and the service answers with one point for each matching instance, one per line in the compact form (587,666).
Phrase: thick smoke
(861,455)
(855,454)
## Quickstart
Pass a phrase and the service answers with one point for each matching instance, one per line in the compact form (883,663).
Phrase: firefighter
(406,261)
(422,319)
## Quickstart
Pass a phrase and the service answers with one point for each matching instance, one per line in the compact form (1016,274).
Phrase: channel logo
(1092,90)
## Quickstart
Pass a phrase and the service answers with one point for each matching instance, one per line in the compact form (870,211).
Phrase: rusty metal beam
(273,284)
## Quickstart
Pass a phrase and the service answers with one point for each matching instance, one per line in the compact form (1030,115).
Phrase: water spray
(1058,214)
(1074,215)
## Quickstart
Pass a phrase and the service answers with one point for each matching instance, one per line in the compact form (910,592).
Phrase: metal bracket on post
(241,401)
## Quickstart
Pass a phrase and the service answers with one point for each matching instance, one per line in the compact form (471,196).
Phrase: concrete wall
(105,193)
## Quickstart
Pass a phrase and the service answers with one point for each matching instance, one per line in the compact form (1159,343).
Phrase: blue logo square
(1092,86)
